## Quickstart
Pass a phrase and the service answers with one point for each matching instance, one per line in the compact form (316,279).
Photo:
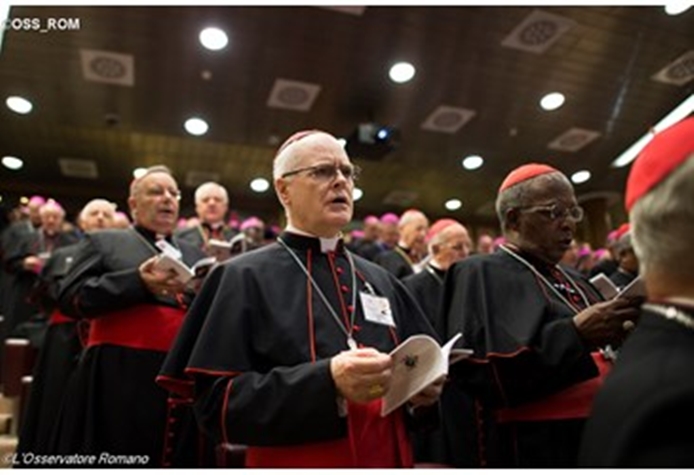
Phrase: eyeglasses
(327,172)
(557,211)
(158,192)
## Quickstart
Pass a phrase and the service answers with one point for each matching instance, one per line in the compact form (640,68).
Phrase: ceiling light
(23,200)
(677,114)
(139,172)
(259,185)
(213,38)
(18,104)
(473,162)
(357,193)
(552,101)
(13,163)
(580,177)
(401,72)
(677,7)
(196,126)
(454,204)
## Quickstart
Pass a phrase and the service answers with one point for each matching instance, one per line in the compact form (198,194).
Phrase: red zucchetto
(663,154)
(525,172)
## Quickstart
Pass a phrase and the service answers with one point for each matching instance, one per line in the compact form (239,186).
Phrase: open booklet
(219,249)
(184,273)
(418,362)
(636,287)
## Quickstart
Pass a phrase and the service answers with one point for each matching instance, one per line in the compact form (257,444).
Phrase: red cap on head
(296,137)
(668,150)
(439,226)
(525,172)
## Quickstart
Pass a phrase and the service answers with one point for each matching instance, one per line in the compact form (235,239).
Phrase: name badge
(377,309)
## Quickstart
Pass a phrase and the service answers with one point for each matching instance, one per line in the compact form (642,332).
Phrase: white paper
(183,273)
(605,286)
(219,249)
(418,362)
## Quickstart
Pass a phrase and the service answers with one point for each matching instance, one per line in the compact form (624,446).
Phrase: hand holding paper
(417,363)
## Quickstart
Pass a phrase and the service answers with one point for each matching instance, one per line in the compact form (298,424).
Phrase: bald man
(402,260)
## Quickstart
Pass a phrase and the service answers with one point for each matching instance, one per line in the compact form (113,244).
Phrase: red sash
(373,442)
(145,327)
(573,402)
(57,317)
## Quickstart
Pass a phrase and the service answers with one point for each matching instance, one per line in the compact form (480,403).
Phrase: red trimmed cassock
(255,351)
(113,404)
(532,377)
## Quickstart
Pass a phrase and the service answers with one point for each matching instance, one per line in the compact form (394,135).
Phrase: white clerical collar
(326,244)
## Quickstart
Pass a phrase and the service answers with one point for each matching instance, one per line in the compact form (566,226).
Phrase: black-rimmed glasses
(557,211)
(327,172)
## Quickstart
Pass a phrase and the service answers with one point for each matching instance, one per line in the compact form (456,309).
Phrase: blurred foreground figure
(644,414)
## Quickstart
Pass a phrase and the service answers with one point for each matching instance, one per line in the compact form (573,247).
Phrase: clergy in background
(286,348)
(405,257)
(448,242)
(211,206)
(112,404)
(535,327)
(643,414)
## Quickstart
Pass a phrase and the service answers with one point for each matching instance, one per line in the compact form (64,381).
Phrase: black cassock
(21,302)
(112,404)
(255,352)
(200,234)
(532,377)
(56,360)
(644,413)
(395,262)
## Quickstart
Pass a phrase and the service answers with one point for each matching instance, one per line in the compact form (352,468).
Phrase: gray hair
(662,224)
(409,216)
(287,157)
(516,196)
(200,190)
(96,201)
(135,185)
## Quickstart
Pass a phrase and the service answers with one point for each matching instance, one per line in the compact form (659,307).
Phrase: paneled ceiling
(494,61)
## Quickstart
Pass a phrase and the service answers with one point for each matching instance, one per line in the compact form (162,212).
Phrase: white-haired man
(135,310)
(26,259)
(643,414)
(211,206)
(280,351)
(403,259)
(62,345)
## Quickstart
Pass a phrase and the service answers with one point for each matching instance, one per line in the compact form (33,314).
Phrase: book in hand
(184,274)
(219,249)
(418,362)
(636,288)
(605,286)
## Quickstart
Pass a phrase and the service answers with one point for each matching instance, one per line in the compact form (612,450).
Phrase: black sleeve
(90,288)
(521,354)
(286,406)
